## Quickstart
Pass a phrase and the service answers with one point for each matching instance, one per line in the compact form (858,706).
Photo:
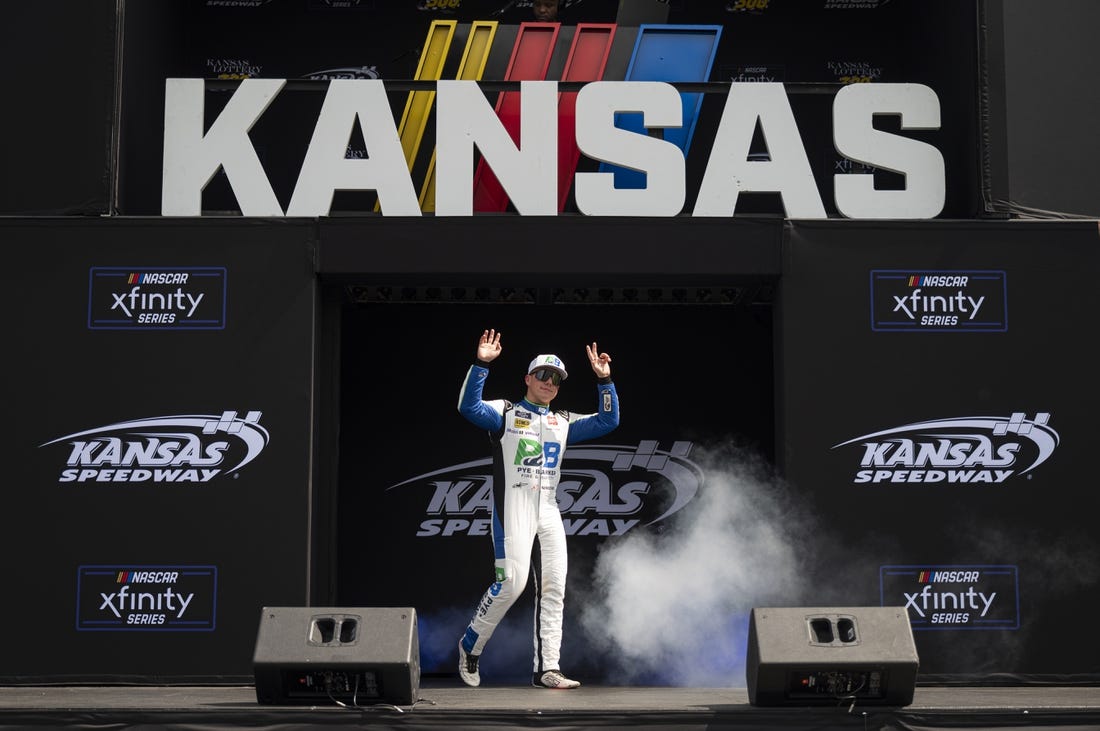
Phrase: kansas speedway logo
(604,490)
(187,449)
(968,449)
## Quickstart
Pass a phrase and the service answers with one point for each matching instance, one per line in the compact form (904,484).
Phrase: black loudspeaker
(347,655)
(812,656)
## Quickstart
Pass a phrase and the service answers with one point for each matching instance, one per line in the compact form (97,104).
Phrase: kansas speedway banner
(160,437)
(940,419)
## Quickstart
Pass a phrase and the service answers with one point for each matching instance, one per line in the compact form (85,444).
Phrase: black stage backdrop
(159,398)
(56,133)
(933,425)
(695,387)
(939,415)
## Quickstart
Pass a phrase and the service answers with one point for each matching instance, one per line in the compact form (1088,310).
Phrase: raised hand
(601,362)
(488,348)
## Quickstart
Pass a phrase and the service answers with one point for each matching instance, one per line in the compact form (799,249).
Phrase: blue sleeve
(602,422)
(470,404)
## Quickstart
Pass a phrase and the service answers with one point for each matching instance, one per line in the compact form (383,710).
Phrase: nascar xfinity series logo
(165,298)
(149,598)
(185,448)
(939,301)
(954,597)
(968,449)
(604,490)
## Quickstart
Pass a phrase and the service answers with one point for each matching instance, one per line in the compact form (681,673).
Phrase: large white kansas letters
(528,172)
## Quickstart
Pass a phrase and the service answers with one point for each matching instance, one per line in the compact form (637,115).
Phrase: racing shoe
(553,679)
(467,667)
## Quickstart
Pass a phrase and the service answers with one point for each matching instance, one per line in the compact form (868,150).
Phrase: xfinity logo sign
(969,449)
(939,301)
(954,597)
(161,298)
(146,598)
(465,119)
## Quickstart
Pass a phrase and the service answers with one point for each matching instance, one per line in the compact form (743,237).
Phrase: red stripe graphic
(530,59)
(586,62)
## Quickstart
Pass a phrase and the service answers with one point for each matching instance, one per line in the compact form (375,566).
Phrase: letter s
(856,138)
(429,528)
(599,138)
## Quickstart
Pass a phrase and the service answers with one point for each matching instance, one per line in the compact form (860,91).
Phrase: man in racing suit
(528,445)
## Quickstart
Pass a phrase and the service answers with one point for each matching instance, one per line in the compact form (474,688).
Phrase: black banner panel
(696,398)
(160,491)
(60,64)
(938,422)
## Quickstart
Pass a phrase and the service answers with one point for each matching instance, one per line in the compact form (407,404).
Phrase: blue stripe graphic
(668,53)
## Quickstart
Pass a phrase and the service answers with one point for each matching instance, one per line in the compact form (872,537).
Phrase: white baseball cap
(547,360)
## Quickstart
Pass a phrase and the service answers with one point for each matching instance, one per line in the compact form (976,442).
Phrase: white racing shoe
(467,667)
(553,679)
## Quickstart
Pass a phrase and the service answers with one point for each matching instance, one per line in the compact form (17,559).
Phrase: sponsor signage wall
(934,410)
(938,416)
(163,473)
(162,444)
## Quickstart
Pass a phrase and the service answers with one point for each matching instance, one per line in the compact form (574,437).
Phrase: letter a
(326,168)
(729,171)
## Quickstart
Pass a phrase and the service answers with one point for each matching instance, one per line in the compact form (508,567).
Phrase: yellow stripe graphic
(419,104)
(471,68)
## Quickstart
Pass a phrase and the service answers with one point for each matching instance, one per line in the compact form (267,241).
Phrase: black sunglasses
(547,374)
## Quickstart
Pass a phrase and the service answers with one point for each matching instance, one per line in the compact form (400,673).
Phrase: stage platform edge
(446,704)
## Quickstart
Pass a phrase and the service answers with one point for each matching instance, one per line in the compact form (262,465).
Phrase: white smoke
(672,607)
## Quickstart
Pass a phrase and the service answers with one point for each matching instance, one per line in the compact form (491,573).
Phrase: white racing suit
(528,445)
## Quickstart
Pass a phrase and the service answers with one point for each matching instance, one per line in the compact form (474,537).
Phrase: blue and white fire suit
(528,445)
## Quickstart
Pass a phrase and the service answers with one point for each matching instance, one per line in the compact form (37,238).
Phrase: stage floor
(446,704)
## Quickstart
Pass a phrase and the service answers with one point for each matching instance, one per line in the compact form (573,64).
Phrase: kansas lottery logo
(954,597)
